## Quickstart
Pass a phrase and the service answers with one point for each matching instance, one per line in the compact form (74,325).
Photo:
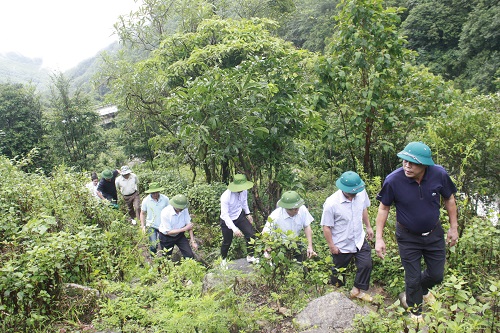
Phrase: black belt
(423,234)
(128,195)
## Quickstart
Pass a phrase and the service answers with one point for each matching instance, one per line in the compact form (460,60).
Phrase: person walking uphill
(128,185)
(175,220)
(106,189)
(415,189)
(151,208)
(235,218)
(344,213)
(291,215)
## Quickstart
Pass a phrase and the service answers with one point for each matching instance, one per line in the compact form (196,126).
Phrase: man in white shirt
(128,185)
(235,218)
(175,220)
(291,215)
(151,208)
(344,213)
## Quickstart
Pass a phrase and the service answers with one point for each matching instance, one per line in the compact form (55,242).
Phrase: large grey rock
(232,276)
(79,291)
(331,313)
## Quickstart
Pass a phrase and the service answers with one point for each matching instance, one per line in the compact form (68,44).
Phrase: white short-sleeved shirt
(345,219)
(231,205)
(127,186)
(92,188)
(170,220)
(153,209)
(279,219)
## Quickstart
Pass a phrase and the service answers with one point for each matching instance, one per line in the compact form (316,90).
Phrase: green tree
(457,39)
(20,119)
(480,47)
(359,75)
(310,24)
(371,93)
(465,140)
(72,126)
(230,97)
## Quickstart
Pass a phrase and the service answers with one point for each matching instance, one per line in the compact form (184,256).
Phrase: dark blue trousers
(412,248)
(167,245)
(363,261)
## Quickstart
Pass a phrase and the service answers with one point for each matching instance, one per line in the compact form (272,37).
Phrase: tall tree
(458,39)
(230,97)
(20,119)
(372,94)
(73,125)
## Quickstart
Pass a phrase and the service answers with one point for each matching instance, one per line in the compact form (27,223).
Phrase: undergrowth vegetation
(53,233)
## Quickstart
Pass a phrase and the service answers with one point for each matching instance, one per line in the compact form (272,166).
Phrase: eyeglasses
(412,156)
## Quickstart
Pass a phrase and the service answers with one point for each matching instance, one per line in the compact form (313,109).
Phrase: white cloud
(61,32)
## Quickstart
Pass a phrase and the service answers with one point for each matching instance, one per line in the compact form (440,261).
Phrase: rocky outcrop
(330,313)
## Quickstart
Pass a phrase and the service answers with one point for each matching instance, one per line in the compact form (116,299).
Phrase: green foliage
(280,266)
(456,310)
(370,93)
(464,140)
(20,119)
(310,24)
(230,73)
(457,39)
(72,126)
(174,303)
(54,232)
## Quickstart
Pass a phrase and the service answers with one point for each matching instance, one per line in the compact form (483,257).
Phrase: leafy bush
(54,232)
(174,303)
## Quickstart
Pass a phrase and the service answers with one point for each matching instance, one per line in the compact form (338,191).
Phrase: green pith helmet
(154,187)
(239,183)
(107,174)
(350,182)
(290,200)
(179,201)
(418,153)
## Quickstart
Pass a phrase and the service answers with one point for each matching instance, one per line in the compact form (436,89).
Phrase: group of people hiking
(415,189)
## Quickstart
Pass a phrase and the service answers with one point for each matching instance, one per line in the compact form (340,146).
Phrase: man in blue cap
(344,213)
(416,189)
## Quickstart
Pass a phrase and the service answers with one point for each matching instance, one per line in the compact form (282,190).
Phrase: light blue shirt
(170,220)
(279,219)
(153,209)
(345,219)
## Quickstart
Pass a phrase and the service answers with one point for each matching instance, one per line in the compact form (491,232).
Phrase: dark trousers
(227,234)
(363,261)
(167,245)
(411,250)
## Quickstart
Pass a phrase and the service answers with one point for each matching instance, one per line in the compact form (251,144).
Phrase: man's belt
(423,234)
(128,195)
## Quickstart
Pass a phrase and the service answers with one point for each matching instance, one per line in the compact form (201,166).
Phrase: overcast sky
(61,32)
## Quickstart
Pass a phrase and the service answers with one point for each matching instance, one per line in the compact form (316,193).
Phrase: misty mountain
(16,68)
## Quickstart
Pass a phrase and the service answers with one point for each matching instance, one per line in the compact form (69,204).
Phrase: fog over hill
(17,68)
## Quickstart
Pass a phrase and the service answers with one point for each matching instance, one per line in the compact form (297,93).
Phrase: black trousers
(411,250)
(227,234)
(167,245)
(363,261)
